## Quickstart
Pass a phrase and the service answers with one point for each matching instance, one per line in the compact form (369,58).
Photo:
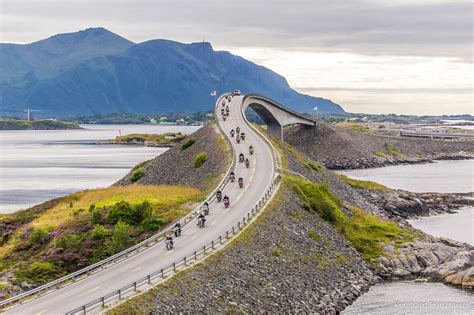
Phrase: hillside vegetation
(151,140)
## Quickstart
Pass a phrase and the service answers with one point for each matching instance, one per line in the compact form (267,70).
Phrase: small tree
(120,238)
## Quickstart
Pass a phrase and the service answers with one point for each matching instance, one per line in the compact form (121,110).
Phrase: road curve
(256,179)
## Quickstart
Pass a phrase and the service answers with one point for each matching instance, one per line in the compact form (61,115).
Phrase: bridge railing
(107,262)
(159,275)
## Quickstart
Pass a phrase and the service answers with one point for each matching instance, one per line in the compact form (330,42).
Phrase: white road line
(89,291)
(42,312)
(136,269)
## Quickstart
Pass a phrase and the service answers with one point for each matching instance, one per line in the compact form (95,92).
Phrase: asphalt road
(256,179)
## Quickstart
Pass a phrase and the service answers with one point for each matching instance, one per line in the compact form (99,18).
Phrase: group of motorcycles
(201,220)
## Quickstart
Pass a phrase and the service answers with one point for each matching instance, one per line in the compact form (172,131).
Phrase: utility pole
(29,113)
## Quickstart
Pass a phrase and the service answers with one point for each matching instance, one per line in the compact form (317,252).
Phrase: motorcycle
(242,135)
(237,139)
(169,244)
(177,231)
(226,203)
(232,132)
(232,178)
(201,222)
(237,129)
(247,163)
(241,183)
(241,158)
(251,150)
(224,118)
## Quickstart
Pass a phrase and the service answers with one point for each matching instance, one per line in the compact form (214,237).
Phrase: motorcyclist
(251,150)
(222,111)
(241,157)
(201,220)
(247,162)
(241,182)
(224,117)
(177,229)
(237,138)
(242,135)
(169,242)
(219,196)
(232,133)
(237,130)
(223,103)
(205,208)
(227,108)
(232,176)
(226,201)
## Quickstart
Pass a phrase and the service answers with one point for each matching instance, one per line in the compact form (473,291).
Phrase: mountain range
(95,71)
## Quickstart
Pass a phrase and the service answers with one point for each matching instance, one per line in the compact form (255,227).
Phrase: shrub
(39,272)
(143,211)
(276,253)
(71,241)
(200,159)
(120,238)
(362,184)
(187,144)
(314,235)
(379,153)
(96,216)
(38,236)
(122,211)
(137,174)
(151,224)
(99,232)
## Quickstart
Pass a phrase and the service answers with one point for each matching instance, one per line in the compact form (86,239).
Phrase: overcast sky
(378,56)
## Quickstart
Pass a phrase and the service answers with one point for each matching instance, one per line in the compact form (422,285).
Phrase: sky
(372,56)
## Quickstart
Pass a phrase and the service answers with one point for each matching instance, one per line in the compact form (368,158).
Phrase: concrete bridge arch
(274,115)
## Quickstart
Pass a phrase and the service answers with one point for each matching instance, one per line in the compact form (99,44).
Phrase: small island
(40,124)
(149,140)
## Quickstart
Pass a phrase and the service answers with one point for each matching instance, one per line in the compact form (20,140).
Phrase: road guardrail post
(149,279)
(204,249)
(162,273)
(120,294)
(184,260)
(103,302)
(212,244)
(220,239)
(174,267)
(195,255)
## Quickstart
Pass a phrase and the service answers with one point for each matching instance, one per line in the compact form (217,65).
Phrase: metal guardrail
(107,262)
(150,280)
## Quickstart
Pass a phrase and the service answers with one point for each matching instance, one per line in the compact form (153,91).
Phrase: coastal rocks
(405,204)
(435,259)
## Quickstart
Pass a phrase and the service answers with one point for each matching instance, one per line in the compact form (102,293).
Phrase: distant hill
(97,72)
(13,124)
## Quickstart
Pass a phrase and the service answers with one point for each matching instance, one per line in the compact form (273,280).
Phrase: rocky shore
(338,148)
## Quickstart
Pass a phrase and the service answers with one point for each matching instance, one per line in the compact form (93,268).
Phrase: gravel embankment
(338,148)
(176,166)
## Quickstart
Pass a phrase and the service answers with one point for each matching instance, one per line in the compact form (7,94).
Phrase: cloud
(427,28)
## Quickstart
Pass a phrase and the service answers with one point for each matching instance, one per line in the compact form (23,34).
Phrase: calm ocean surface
(413,297)
(39,165)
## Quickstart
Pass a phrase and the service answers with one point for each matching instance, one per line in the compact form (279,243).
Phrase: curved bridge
(274,115)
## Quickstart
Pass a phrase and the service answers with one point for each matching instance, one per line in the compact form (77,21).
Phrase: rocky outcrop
(431,258)
(338,148)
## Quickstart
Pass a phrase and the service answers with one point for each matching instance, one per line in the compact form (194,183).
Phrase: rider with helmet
(242,135)
(177,229)
(232,176)
(251,150)
(201,220)
(241,182)
(237,130)
(241,158)
(205,208)
(232,132)
(219,196)
(247,163)
(226,201)
(169,242)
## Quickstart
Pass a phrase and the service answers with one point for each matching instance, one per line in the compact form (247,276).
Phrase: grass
(362,184)
(366,232)
(199,159)
(379,153)
(158,196)
(314,235)
(187,144)
(314,166)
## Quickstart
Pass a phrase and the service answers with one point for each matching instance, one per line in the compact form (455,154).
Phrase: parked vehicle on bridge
(201,221)
(177,229)
(251,150)
(247,163)
(169,242)
(226,202)
(241,182)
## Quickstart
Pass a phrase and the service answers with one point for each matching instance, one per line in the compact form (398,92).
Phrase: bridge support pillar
(276,130)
